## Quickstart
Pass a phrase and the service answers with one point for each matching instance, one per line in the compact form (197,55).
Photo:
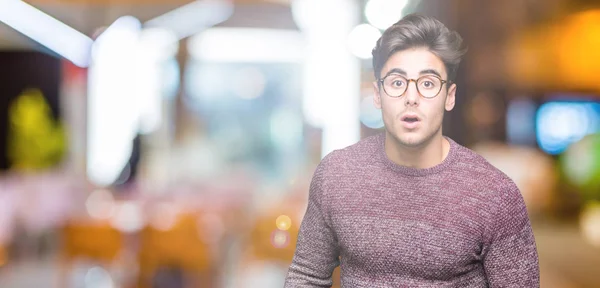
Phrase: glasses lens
(429,86)
(395,85)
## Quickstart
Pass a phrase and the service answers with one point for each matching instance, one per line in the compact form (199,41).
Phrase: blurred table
(566,260)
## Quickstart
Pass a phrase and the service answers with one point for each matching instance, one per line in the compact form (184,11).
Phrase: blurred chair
(177,248)
(266,246)
(270,244)
(3,255)
(336,278)
(91,240)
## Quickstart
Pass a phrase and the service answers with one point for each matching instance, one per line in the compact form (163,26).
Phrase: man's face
(400,113)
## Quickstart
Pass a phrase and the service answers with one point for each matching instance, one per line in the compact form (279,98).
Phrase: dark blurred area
(171,143)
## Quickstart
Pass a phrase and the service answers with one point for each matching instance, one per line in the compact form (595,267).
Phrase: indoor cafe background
(165,143)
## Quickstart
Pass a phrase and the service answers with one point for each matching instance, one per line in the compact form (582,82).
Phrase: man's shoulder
(358,153)
(482,180)
(476,167)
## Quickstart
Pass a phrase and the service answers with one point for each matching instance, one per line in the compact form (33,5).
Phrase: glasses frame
(408,84)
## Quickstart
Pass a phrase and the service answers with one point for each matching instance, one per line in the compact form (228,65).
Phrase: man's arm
(317,251)
(511,259)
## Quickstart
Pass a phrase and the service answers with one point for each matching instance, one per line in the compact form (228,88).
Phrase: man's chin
(410,140)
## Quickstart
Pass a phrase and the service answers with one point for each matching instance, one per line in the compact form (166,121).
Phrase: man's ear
(451,98)
(376,95)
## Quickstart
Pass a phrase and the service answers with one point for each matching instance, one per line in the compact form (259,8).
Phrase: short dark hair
(413,31)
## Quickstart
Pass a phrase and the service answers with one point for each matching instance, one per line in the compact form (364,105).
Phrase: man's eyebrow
(396,71)
(430,71)
(423,72)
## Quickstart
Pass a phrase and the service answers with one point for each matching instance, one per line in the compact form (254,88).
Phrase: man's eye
(398,83)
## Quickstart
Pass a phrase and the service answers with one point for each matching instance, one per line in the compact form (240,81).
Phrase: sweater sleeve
(317,250)
(511,258)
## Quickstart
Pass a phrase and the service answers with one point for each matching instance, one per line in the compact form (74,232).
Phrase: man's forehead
(414,61)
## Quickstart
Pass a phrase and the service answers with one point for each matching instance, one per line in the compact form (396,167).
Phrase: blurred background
(170,143)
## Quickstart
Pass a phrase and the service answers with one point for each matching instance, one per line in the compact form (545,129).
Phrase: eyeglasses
(428,86)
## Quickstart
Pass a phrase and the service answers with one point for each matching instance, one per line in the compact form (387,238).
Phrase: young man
(411,207)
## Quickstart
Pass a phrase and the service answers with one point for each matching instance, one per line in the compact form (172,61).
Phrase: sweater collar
(417,172)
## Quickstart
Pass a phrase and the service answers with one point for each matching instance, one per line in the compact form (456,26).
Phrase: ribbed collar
(417,172)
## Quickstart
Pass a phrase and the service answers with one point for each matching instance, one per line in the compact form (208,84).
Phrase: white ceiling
(88,18)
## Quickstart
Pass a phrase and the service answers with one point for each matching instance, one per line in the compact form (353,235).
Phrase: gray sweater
(462,223)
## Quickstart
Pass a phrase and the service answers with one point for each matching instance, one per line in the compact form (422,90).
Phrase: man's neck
(430,154)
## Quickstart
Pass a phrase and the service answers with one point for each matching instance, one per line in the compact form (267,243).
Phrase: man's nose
(412,94)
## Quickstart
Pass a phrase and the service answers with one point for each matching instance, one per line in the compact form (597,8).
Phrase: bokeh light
(100,204)
(560,124)
(128,217)
(384,13)
(164,216)
(283,222)
(362,40)
(590,223)
(286,128)
(581,165)
(98,277)
(248,83)
(370,116)
(280,239)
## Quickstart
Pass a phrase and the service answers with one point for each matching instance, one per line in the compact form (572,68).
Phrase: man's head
(416,48)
